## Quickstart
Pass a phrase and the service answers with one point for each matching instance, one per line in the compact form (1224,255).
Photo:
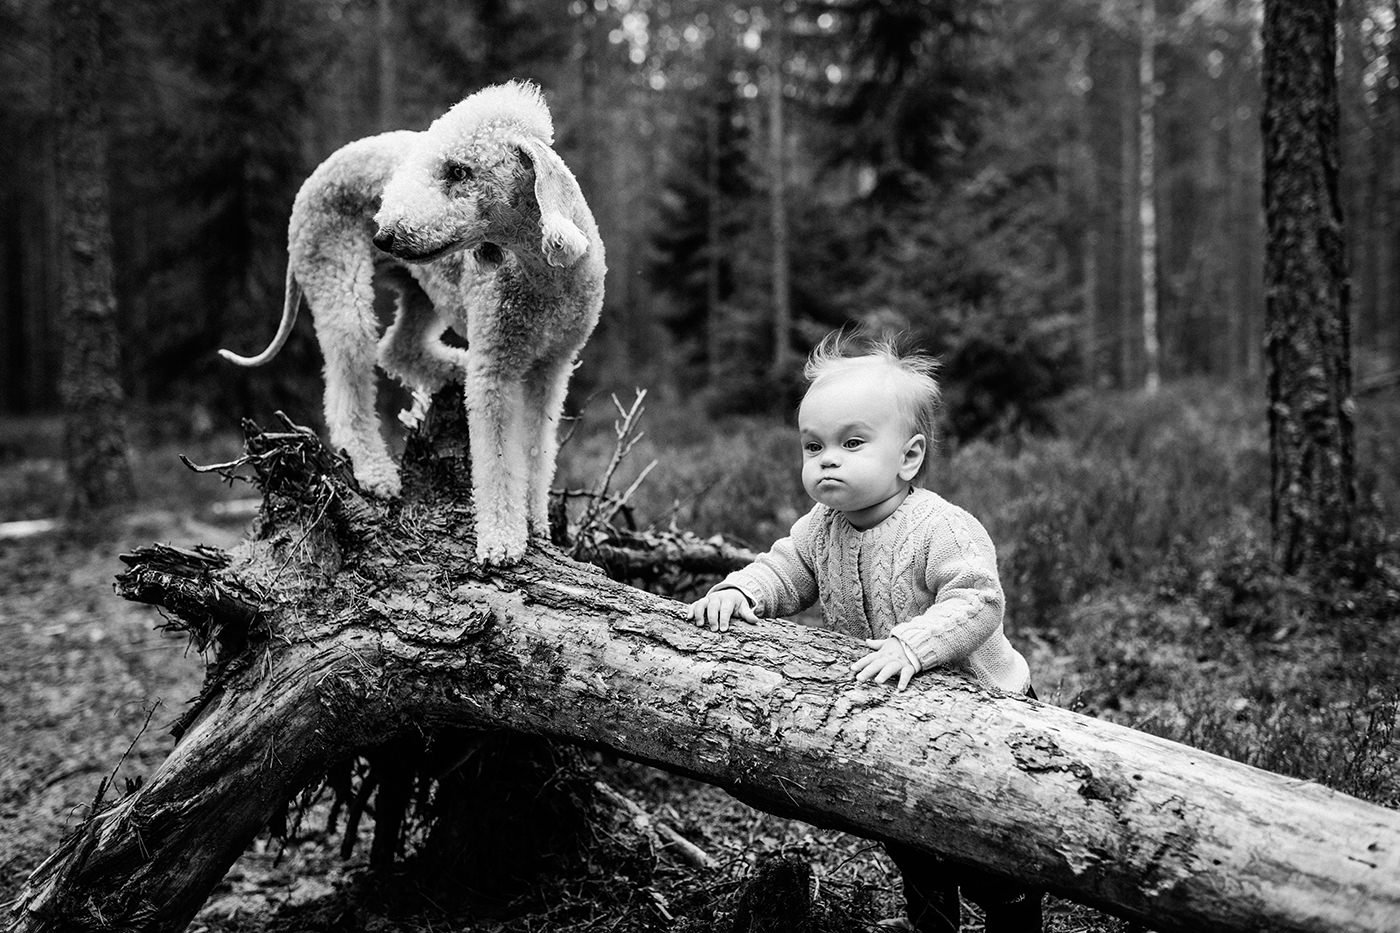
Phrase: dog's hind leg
(338,289)
(412,350)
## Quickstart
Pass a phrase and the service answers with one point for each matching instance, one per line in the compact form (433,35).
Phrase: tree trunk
(94,432)
(1147,195)
(1232,293)
(1129,279)
(1311,442)
(1081,204)
(388,69)
(1388,158)
(346,625)
(716,360)
(12,310)
(1356,169)
(1248,231)
(778,211)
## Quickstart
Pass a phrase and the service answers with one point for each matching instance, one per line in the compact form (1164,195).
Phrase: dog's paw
(412,416)
(385,490)
(499,553)
(381,484)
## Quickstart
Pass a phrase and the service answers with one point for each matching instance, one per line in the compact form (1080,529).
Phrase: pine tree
(1311,440)
(222,161)
(702,222)
(95,442)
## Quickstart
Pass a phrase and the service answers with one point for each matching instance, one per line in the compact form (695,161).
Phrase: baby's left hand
(887,660)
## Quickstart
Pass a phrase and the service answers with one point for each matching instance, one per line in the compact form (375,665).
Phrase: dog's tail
(290,307)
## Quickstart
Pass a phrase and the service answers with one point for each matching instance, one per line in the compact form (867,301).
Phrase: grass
(1133,545)
(33,484)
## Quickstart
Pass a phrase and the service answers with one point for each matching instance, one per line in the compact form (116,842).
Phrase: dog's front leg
(496,422)
(545,390)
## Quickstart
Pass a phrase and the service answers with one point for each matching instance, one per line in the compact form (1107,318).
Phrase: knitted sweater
(927,575)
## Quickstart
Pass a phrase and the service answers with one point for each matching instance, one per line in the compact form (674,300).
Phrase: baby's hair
(914,374)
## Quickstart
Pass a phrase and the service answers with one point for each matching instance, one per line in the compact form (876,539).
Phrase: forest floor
(89,685)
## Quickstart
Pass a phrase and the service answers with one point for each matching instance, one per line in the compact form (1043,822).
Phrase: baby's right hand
(715,609)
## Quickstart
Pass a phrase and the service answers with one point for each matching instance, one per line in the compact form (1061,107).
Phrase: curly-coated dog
(493,226)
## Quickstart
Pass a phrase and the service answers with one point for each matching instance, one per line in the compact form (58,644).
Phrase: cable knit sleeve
(961,572)
(781,581)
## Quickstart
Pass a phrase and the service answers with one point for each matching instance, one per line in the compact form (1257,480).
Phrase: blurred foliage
(963,170)
(220,111)
(1133,545)
(702,224)
(225,147)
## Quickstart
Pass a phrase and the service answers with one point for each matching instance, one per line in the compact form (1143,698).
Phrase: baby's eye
(811,447)
(851,443)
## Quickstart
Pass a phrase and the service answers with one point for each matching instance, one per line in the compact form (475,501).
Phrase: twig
(627,437)
(219,468)
(107,781)
(625,441)
(621,501)
(299,429)
(693,853)
(356,810)
(689,850)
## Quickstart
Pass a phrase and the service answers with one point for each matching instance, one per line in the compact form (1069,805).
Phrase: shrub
(1129,482)
(736,476)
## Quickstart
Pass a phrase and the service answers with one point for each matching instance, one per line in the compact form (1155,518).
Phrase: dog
(492,225)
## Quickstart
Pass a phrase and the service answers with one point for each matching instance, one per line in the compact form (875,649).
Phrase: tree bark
(1387,141)
(1147,195)
(777,205)
(1082,203)
(1311,441)
(347,624)
(1129,255)
(387,68)
(716,360)
(94,429)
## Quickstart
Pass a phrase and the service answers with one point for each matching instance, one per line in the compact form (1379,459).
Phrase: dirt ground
(88,682)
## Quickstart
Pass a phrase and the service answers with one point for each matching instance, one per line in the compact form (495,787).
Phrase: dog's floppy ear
(560,199)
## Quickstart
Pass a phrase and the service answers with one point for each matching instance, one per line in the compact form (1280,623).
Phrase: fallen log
(346,624)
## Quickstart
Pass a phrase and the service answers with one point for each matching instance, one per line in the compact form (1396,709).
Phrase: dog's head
(484,172)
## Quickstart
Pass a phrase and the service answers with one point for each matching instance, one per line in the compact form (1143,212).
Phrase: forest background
(1039,192)
(1062,200)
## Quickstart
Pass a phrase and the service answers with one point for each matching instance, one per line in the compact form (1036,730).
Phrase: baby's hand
(717,608)
(887,660)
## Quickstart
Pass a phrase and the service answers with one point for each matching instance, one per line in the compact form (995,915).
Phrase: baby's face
(856,450)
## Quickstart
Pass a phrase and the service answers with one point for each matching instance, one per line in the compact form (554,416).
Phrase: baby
(894,564)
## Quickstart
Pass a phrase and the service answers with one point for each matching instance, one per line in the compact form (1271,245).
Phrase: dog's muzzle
(408,249)
(384,239)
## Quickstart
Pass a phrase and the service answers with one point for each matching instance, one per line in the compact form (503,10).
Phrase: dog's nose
(384,239)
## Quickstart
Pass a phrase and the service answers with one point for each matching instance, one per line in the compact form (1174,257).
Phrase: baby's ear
(915,449)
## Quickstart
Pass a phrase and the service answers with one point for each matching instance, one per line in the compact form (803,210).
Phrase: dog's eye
(456,172)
